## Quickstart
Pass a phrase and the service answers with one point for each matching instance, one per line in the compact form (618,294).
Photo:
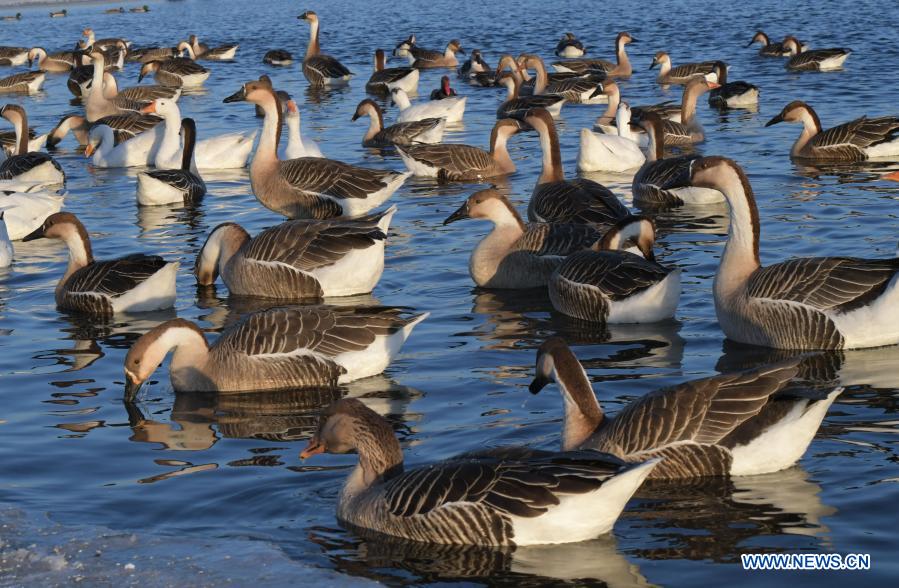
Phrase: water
(199,489)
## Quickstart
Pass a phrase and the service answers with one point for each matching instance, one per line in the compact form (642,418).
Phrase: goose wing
(19,164)
(148,93)
(574,86)
(575,201)
(856,135)
(326,66)
(555,239)
(688,70)
(113,278)
(26,77)
(128,126)
(404,133)
(425,55)
(617,274)
(182,180)
(584,65)
(389,75)
(333,178)
(520,105)
(452,157)
(665,110)
(676,133)
(672,172)
(811,59)
(182,66)
(836,284)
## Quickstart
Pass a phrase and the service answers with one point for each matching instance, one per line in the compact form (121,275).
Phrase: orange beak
(313,448)
(713,85)
(892,176)
(88,150)
(149,108)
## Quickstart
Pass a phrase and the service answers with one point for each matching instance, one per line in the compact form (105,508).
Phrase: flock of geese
(592,253)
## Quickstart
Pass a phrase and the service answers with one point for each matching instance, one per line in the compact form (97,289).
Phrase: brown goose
(736,424)
(146,93)
(682,73)
(27,165)
(516,105)
(13,55)
(858,140)
(146,54)
(308,187)
(59,62)
(384,78)
(425,59)
(27,82)
(304,347)
(124,127)
(814,59)
(500,497)
(687,130)
(428,130)
(103,44)
(221,53)
(455,162)
(321,69)
(176,72)
(97,104)
(557,200)
(576,90)
(804,303)
(622,69)
(181,185)
(768,49)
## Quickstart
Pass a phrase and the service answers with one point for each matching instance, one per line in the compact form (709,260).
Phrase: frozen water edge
(36,552)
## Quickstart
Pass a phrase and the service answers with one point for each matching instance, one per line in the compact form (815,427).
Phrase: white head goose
(27,82)
(167,186)
(732,94)
(858,140)
(297,145)
(282,348)
(124,140)
(611,153)
(59,13)
(682,73)
(135,283)
(321,69)
(425,59)
(297,259)
(308,187)
(146,93)
(221,53)
(576,90)
(569,46)
(814,59)
(6,249)
(515,105)
(805,303)
(557,200)
(227,151)
(515,255)
(27,165)
(59,62)
(452,109)
(457,162)
(140,9)
(687,130)
(427,130)
(280,57)
(13,55)
(736,424)
(384,78)
(666,181)
(500,497)
(444,91)
(611,284)
(621,69)
(175,72)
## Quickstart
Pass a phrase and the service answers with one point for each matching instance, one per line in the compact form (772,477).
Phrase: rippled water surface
(202,489)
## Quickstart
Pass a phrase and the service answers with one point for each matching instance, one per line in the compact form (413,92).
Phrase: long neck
(190,352)
(552,154)
(271,128)
(664,68)
(624,63)
(542,77)
(623,123)
(614,95)
(80,252)
(499,150)
(97,81)
(110,86)
(688,103)
(811,126)
(582,411)
(190,140)
(380,458)
(22,133)
(293,131)
(655,151)
(376,123)
(312,49)
(741,253)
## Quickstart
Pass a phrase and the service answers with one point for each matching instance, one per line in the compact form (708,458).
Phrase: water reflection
(151,219)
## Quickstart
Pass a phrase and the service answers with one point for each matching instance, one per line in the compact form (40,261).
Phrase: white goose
(135,151)
(167,186)
(613,153)
(6,249)
(297,145)
(25,211)
(452,109)
(228,151)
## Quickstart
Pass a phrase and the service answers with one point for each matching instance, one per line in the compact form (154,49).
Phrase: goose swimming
(569,46)
(27,165)
(297,145)
(26,82)
(613,153)
(427,130)
(321,69)
(384,79)
(175,72)
(814,59)
(167,186)
(621,69)
(682,73)
(451,109)
(515,105)
(732,94)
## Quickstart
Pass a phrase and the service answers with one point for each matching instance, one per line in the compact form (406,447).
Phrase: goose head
(309,17)
(149,351)
(161,107)
(402,48)
(292,110)
(367,107)
(60,225)
(399,98)
(792,45)
(99,135)
(36,54)
(552,355)
(633,231)
(759,37)
(185,47)
(487,204)
(660,58)
(623,38)
(455,46)
(148,68)
(257,92)
(66,124)
(796,111)
(222,243)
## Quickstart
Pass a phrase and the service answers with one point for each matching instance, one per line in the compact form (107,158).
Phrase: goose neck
(313,48)
(741,252)
(583,414)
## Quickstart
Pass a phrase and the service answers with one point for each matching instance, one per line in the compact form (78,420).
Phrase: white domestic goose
(613,153)
(452,109)
(297,144)
(139,149)
(6,248)
(25,211)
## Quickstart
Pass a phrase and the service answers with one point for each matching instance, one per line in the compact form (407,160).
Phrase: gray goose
(804,303)
(97,105)
(13,55)
(768,49)
(576,89)
(814,59)
(308,187)
(858,140)
(27,82)
(297,259)
(25,165)
(384,78)
(682,73)
(103,44)
(621,69)
(282,348)
(135,283)
(515,105)
(736,424)
(175,72)
(124,127)
(515,255)
(426,58)
(426,130)
(500,497)
(147,54)
(166,186)
(221,53)
(321,69)
(557,200)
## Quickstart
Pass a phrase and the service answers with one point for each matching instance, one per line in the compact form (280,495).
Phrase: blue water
(195,489)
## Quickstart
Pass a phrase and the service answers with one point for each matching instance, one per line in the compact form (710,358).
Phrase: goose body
(576,90)
(225,52)
(515,105)
(25,165)
(24,211)
(106,149)
(732,94)
(6,248)
(135,283)
(515,255)
(802,303)
(858,140)
(814,59)
(429,130)
(282,348)
(175,72)
(500,497)
(297,145)
(613,153)
(27,82)
(610,284)
(384,79)
(13,55)
(10,146)
(59,62)
(425,59)
(277,57)
(621,69)
(682,73)
(569,46)
(297,259)
(736,424)
(768,48)
(147,54)
(451,109)
(144,94)
(308,187)
(321,69)
(167,186)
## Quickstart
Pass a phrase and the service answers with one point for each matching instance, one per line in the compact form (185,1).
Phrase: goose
(140,9)
(474,65)
(13,55)
(175,72)
(147,54)
(59,62)
(736,424)
(6,248)
(27,82)
(27,165)
(384,79)
(456,162)
(609,283)
(451,109)
(297,145)
(277,57)
(665,181)
(277,349)
(428,130)
(308,187)
(97,104)
(569,46)
(732,94)
(687,130)
(612,153)
(425,59)
(135,283)
(9,143)
(227,151)
(858,140)
(167,186)
(25,211)
(444,91)
(801,303)
(814,59)
(283,98)
(682,73)
(145,93)
(108,146)
(321,69)
(515,105)
(621,69)
(103,44)
(502,497)
(408,49)
(221,53)
(119,10)
(297,259)
(557,200)
(768,49)
(59,13)
(515,255)
(576,90)
(16,16)
(124,127)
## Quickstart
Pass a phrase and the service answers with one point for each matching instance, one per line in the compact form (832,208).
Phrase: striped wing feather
(19,164)
(687,70)
(520,105)
(332,178)
(326,66)
(128,126)
(405,133)
(182,66)
(114,278)
(575,201)
(26,77)
(185,181)
(669,173)
(811,59)
(617,274)
(854,136)
(584,65)
(389,75)
(454,158)
(555,239)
